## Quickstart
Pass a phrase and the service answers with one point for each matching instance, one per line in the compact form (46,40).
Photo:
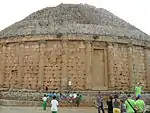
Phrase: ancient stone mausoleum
(89,46)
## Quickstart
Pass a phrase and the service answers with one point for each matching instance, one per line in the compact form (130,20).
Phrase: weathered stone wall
(52,62)
(37,62)
(30,65)
(138,65)
(11,65)
(120,78)
(148,69)
(76,64)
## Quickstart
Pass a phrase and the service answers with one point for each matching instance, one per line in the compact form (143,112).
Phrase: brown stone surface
(34,63)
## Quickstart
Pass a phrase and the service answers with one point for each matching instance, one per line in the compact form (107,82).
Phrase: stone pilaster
(88,65)
(106,68)
(20,52)
(2,64)
(41,65)
(110,65)
(146,66)
(64,78)
(130,66)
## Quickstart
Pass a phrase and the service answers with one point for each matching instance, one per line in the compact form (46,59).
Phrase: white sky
(136,12)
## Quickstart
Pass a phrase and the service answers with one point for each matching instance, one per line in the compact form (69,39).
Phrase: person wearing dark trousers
(109,104)
(100,103)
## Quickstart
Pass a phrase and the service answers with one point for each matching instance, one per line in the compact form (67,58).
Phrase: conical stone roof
(73,19)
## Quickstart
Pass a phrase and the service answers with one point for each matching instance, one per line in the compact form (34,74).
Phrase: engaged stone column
(110,66)
(64,78)
(20,53)
(41,66)
(88,65)
(2,64)
(146,66)
(130,66)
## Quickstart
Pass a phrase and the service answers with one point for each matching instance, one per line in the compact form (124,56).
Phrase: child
(54,104)
(44,102)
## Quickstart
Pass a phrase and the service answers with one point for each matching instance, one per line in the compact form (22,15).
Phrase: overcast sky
(136,12)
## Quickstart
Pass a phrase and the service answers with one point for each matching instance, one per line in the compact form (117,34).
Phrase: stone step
(39,103)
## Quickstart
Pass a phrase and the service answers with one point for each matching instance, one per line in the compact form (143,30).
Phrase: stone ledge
(4,102)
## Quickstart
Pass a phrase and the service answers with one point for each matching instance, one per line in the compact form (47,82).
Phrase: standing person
(50,95)
(138,89)
(78,100)
(116,104)
(46,88)
(74,97)
(69,85)
(130,104)
(70,97)
(44,102)
(54,105)
(123,107)
(140,105)
(100,103)
(109,104)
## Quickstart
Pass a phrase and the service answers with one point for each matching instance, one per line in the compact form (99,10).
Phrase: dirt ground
(9,109)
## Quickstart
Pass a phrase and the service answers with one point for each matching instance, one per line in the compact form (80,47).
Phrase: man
(138,89)
(69,84)
(54,105)
(140,105)
(100,103)
(130,104)
(46,88)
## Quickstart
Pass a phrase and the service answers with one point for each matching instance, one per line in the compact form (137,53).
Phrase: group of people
(123,105)
(54,103)
(54,98)
(114,103)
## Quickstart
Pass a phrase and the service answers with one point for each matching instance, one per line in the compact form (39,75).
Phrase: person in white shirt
(44,102)
(74,95)
(54,105)
(69,84)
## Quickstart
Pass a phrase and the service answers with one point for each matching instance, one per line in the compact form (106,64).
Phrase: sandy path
(8,109)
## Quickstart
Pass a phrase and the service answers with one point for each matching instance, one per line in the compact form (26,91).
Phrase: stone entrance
(98,70)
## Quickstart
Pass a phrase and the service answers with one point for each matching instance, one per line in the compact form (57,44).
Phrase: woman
(109,104)
(116,105)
